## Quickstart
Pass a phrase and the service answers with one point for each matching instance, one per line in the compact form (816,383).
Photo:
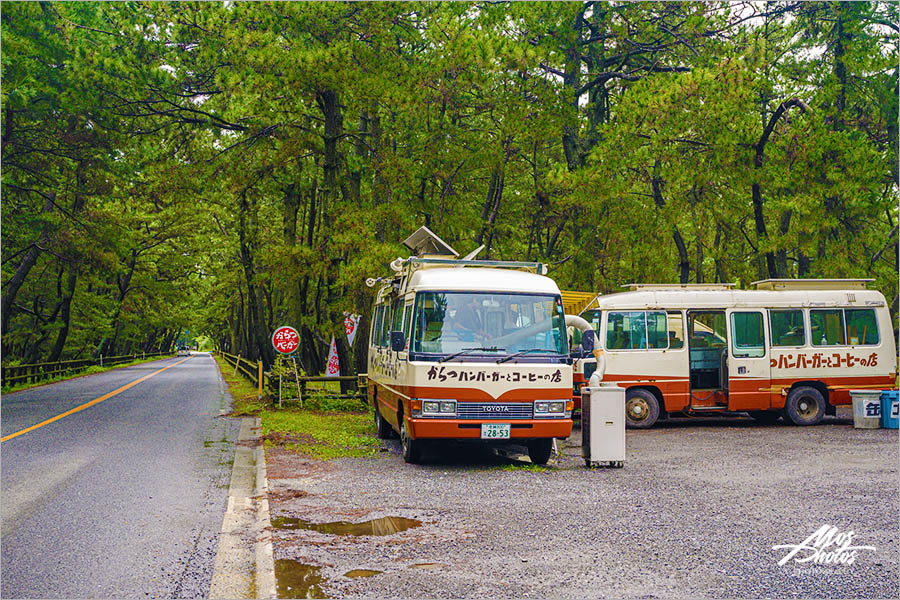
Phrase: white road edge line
(245,565)
(265,554)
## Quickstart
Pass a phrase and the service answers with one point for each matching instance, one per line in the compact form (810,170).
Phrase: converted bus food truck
(468,350)
(789,348)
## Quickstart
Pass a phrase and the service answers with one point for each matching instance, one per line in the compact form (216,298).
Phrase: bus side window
(862,327)
(375,336)
(657,331)
(398,318)
(787,328)
(626,330)
(676,330)
(749,339)
(386,327)
(827,327)
(407,324)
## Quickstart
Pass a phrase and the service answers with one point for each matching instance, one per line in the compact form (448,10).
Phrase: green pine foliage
(226,168)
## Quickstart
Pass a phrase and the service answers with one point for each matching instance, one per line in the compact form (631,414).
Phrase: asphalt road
(123,499)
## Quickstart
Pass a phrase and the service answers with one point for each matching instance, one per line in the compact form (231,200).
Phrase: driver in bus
(468,320)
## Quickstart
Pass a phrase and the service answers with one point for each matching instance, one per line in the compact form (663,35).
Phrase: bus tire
(641,408)
(539,450)
(766,417)
(384,429)
(412,449)
(805,405)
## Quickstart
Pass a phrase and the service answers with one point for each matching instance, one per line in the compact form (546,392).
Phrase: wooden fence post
(259,380)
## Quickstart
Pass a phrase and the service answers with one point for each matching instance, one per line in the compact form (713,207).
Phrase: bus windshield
(492,323)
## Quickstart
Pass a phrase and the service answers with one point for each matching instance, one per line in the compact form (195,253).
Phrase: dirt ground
(695,512)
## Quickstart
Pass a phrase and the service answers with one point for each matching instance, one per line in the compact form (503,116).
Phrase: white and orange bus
(469,350)
(789,348)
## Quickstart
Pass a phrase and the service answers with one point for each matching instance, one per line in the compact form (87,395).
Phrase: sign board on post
(286,340)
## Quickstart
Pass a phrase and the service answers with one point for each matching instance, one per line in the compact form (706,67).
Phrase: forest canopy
(226,168)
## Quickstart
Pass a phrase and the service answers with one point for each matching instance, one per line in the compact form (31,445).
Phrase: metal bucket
(866,409)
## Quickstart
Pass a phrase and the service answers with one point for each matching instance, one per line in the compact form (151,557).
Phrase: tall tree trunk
(28,261)
(66,315)
(571,82)
(684,262)
(332,162)
(491,207)
(756,193)
(66,312)
(257,325)
(781,262)
(108,347)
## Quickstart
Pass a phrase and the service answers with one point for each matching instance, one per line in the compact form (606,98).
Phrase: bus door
(708,349)
(749,371)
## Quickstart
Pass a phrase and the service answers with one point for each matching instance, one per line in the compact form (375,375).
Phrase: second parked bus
(789,348)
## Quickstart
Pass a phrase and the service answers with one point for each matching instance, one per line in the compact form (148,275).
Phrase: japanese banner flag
(333,368)
(351,324)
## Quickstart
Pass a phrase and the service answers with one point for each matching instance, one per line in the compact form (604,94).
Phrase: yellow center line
(91,403)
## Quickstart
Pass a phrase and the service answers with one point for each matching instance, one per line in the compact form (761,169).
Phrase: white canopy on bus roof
(478,279)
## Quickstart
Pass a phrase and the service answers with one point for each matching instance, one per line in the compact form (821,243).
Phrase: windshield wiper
(468,350)
(517,354)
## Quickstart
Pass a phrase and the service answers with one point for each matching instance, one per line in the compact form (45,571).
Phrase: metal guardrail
(34,372)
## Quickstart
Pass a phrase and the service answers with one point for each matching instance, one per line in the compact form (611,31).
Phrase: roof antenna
(473,253)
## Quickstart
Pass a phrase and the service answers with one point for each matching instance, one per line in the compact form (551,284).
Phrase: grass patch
(324,427)
(526,467)
(321,435)
(324,402)
(92,370)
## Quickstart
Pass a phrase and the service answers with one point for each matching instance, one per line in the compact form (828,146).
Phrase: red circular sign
(286,339)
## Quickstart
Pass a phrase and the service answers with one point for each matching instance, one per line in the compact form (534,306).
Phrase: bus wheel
(805,406)
(384,429)
(539,450)
(412,449)
(641,409)
(766,417)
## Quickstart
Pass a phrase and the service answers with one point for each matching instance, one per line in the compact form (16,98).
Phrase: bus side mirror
(398,341)
(588,340)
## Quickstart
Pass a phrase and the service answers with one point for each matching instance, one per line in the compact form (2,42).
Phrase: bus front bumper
(435,428)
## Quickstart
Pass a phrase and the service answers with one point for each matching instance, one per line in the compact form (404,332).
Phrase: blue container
(890,409)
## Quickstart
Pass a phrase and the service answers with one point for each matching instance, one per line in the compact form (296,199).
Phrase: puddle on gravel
(362,573)
(382,526)
(295,579)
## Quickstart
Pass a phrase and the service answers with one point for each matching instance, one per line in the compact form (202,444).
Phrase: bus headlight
(438,408)
(550,408)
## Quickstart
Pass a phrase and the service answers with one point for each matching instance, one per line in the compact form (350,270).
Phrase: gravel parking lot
(695,512)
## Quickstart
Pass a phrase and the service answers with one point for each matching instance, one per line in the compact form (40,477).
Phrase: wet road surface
(124,498)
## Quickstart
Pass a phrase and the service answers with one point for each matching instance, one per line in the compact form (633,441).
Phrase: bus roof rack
(812,284)
(678,286)
(531,267)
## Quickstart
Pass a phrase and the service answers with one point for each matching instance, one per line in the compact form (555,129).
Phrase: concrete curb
(245,566)
(265,556)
